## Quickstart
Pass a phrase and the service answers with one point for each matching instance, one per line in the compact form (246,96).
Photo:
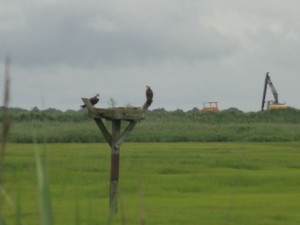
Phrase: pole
(114,171)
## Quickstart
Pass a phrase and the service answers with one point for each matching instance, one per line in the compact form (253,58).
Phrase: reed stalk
(5,131)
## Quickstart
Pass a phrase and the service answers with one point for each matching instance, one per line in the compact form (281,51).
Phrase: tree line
(232,115)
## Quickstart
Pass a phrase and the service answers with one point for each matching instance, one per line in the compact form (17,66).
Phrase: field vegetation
(52,126)
(160,183)
(176,167)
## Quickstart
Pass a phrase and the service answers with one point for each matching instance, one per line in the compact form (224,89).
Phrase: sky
(189,52)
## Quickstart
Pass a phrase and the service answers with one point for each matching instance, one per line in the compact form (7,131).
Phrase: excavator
(271,104)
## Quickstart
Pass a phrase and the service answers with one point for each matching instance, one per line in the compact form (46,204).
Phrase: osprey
(149,95)
(93,100)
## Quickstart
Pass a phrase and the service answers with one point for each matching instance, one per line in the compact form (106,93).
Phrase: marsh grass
(45,206)
(165,183)
(152,131)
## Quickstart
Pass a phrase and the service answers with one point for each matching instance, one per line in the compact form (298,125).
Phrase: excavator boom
(264,93)
(274,92)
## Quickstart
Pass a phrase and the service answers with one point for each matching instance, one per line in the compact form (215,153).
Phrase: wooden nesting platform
(117,113)
(120,113)
(131,114)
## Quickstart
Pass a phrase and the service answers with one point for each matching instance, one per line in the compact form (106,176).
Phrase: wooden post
(114,170)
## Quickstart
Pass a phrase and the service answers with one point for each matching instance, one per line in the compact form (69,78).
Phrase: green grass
(161,183)
(155,131)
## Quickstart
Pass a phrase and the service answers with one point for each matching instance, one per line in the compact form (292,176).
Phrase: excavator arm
(264,93)
(274,92)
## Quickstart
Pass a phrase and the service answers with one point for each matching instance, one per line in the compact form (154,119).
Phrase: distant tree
(178,111)
(35,109)
(52,110)
(232,109)
(159,110)
(71,111)
(195,109)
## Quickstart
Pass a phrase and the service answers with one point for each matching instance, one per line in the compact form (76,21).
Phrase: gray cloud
(189,51)
(57,34)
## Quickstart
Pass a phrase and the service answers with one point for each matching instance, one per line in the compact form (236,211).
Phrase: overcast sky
(189,52)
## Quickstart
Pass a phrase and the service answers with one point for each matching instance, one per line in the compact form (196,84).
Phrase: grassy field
(160,183)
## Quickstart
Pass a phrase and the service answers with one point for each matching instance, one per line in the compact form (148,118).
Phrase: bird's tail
(147,103)
(83,106)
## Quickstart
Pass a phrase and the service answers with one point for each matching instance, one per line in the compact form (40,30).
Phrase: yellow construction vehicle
(271,104)
(210,107)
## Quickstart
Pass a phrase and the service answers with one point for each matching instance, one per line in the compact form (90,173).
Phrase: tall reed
(5,130)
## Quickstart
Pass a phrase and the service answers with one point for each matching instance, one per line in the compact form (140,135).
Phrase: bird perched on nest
(149,96)
(93,100)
